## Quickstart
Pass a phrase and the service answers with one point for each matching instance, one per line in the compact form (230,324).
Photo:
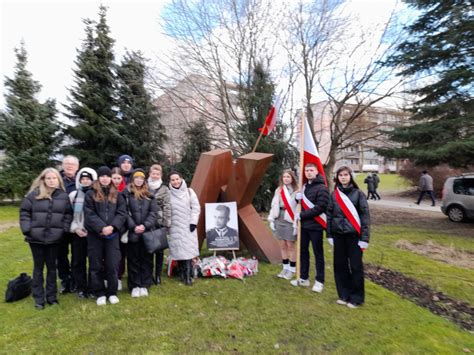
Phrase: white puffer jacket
(277,202)
(185,210)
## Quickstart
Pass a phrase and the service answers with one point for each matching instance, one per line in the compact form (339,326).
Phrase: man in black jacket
(68,173)
(315,198)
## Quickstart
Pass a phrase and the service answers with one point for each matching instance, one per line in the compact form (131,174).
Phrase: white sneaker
(300,282)
(318,287)
(101,301)
(143,292)
(119,287)
(351,305)
(113,300)
(136,292)
(282,273)
(341,302)
(288,275)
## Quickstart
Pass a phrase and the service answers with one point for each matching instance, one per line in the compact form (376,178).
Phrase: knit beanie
(123,158)
(86,174)
(104,170)
(139,172)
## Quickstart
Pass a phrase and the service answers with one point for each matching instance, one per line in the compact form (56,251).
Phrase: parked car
(458,197)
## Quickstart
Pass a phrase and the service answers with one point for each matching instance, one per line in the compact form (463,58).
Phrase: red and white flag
(348,209)
(310,153)
(272,118)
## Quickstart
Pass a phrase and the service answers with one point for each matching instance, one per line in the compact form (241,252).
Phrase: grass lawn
(388,182)
(262,314)
(455,281)
(9,213)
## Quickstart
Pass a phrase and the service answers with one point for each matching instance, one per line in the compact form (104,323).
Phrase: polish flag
(272,118)
(311,154)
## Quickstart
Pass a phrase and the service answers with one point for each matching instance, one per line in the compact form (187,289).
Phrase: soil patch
(8,225)
(449,255)
(438,303)
(381,215)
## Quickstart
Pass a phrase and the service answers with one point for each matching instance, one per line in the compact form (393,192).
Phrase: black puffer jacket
(98,215)
(317,193)
(45,221)
(143,211)
(337,222)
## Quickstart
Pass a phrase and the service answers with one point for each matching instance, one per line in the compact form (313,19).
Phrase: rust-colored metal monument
(218,179)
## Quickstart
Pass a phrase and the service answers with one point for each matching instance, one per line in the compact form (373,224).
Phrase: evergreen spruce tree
(142,134)
(440,46)
(256,100)
(29,132)
(94,135)
(198,140)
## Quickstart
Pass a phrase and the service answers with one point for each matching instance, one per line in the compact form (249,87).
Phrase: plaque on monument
(222,228)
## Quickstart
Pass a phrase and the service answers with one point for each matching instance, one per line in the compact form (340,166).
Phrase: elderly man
(70,166)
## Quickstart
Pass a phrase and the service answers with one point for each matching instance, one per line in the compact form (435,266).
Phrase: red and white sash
(290,204)
(348,209)
(307,204)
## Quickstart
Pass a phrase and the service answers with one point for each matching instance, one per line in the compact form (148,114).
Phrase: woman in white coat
(183,240)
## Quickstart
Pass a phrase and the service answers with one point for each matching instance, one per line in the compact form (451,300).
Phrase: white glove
(297,216)
(272,226)
(298,196)
(363,245)
(331,241)
(295,230)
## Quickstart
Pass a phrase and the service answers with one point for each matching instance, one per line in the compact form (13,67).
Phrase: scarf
(79,200)
(154,184)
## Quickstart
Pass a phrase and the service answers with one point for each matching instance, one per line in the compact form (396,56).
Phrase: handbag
(155,240)
(18,288)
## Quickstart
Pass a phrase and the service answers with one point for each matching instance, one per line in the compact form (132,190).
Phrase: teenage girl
(281,218)
(104,215)
(45,216)
(348,223)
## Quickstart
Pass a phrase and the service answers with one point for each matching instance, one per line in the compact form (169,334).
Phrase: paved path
(406,204)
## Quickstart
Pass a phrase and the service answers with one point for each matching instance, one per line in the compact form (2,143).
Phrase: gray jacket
(162,196)
(426,183)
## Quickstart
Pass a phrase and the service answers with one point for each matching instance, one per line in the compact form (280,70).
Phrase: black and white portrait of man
(221,226)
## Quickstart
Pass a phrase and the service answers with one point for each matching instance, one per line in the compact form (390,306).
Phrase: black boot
(189,273)
(65,286)
(182,270)
(158,267)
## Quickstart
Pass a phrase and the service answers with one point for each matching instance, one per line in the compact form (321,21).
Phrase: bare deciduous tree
(312,29)
(218,43)
(358,82)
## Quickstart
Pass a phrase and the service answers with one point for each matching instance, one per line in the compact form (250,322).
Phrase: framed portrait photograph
(222,227)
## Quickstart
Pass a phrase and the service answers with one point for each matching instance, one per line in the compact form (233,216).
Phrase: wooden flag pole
(300,184)
(259,137)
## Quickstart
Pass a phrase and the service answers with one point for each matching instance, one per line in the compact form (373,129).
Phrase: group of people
(372,181)
(343,213)
(102,214)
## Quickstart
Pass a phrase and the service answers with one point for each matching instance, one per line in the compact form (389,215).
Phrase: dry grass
(449,255)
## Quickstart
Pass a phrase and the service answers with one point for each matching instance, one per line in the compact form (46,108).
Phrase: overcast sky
(53,30)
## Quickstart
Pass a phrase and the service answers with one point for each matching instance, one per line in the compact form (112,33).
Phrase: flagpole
(259,137)
(300,184)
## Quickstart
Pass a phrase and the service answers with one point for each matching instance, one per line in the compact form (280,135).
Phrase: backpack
(18,288)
